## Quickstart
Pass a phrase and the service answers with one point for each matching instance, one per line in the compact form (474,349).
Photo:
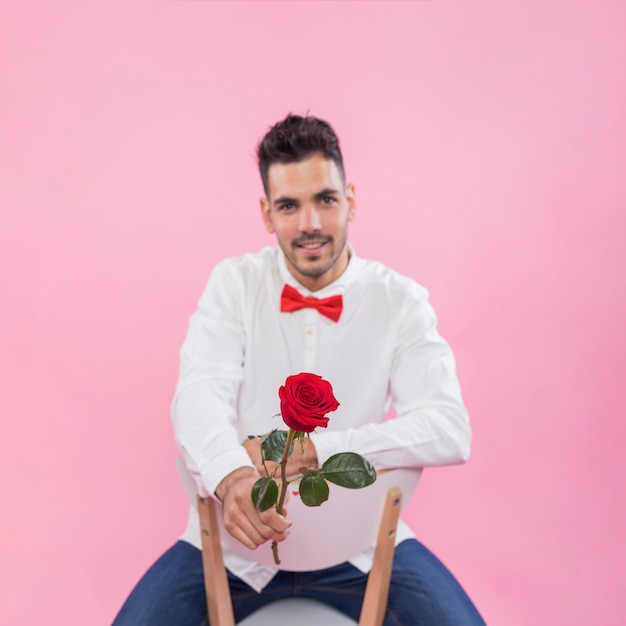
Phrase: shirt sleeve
(211,372)
(431,426)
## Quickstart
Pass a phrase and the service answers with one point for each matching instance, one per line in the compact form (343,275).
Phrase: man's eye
(328,200)
(286,207)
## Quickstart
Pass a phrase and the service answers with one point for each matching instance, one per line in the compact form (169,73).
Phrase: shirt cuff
(221,466)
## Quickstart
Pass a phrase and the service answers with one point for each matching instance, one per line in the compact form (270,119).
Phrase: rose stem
(283,486)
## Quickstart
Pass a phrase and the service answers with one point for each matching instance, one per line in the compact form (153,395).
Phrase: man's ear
(351,197)
(266,214)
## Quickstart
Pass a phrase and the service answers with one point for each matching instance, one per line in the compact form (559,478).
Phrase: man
(242,344)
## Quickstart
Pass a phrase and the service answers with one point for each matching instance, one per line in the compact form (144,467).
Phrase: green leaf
(313,490)
(264,493)
(274,445)
(348,469)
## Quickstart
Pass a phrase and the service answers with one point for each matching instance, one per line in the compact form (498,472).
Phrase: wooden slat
(377,590)
(215,579)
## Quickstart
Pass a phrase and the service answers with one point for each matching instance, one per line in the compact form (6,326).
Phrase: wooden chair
(315,541)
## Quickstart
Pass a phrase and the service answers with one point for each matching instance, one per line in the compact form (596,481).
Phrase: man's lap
(422,591)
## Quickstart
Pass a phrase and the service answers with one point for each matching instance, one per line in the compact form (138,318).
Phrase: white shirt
(385,349)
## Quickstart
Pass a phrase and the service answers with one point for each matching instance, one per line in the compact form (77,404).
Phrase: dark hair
(295,139)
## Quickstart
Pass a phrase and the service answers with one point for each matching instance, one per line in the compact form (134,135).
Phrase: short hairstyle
(295,139)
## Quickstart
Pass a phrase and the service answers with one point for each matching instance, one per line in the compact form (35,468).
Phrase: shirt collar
(337,287)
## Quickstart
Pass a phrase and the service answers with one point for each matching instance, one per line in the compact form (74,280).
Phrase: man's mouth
(312,245)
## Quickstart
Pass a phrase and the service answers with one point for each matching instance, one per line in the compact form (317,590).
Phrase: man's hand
(241,518)
(296,460)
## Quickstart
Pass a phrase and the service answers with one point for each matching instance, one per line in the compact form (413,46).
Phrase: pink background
(487,141)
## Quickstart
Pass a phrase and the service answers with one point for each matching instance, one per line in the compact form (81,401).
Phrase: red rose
(304,401)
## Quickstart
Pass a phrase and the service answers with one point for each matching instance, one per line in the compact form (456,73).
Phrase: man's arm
(204,410)
(431,426)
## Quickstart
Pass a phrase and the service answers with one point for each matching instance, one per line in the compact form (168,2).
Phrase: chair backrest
(324,536)
(316,540)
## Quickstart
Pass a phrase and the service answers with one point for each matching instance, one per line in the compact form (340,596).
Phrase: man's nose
(309,219)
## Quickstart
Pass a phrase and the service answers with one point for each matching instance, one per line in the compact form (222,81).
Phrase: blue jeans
(422,591)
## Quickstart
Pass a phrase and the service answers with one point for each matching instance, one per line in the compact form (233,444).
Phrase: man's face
(309,208)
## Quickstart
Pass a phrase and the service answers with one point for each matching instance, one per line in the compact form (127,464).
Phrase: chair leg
(219,602)
(377,589)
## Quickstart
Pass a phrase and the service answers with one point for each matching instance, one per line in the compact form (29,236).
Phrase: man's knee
(170,592)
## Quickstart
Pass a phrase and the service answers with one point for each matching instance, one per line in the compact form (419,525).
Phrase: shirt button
(309,331)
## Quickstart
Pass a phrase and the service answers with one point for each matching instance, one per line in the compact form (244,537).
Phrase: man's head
(307,203)
(295,139)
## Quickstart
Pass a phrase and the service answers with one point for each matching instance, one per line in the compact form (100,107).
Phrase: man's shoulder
(379,276)
(248,264)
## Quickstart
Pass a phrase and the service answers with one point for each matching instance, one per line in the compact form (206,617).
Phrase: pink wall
(487,141)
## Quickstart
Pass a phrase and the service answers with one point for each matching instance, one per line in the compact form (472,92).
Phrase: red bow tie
(292,300)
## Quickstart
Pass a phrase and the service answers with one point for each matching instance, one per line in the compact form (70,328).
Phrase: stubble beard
(319,271)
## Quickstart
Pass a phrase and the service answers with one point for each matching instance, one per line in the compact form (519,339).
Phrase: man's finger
(257,529)
(278,524)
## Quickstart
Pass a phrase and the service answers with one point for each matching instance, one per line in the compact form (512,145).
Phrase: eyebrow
(318,196)
(284,200)
(326,192)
